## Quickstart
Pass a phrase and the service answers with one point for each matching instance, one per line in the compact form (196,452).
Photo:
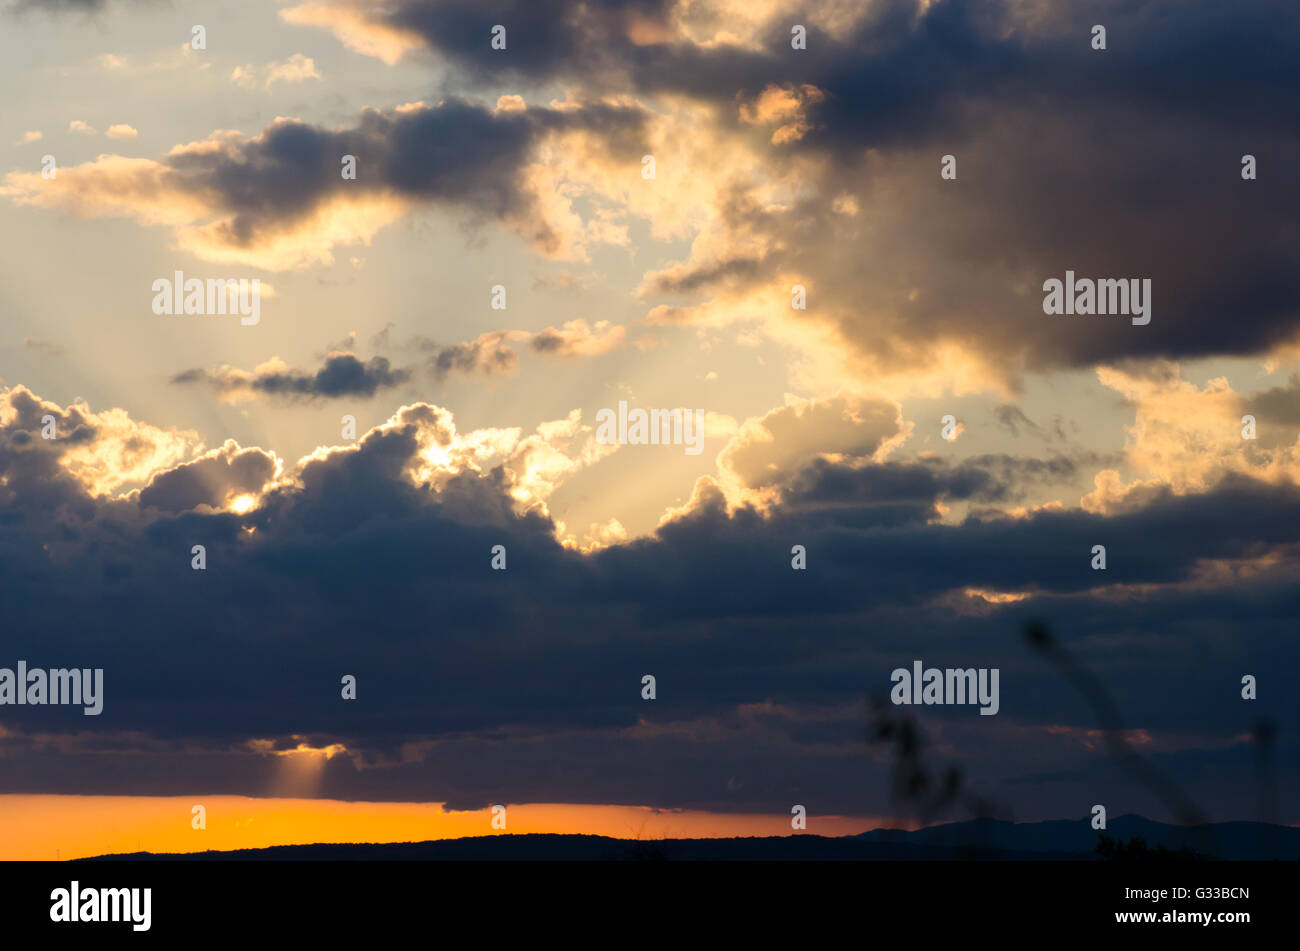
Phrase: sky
(826,234)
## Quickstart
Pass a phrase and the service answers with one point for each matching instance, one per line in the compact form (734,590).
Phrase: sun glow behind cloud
(242,504)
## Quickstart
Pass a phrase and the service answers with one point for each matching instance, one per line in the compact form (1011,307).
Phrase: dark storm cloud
(1117,163)
(1122,163)
(983,478)
(342,374)
(1036,196)
(517,682)
(897,70)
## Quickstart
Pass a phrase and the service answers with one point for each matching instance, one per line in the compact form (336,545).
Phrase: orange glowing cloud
(354,29)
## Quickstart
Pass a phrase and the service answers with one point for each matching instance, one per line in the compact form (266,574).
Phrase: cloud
(279,200)
(795,143)
(487,354)
(493,352)
(1185,438)
(366,544)
(775,169)
(44,346)
(212,479)
(768,449)
(296,69)
(342,374)
(76,125)
(121,131)
(32,136)
(785,106)
(55,6)
(1014,420)
(95,453)
(352,24)
(576,338)
(1279,404)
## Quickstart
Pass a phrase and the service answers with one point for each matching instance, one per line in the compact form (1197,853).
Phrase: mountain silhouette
(1232,841)
(978,839)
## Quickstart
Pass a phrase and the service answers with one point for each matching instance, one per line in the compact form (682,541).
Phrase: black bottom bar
(535,899)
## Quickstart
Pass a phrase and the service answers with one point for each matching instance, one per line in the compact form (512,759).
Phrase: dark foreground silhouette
(1127,838)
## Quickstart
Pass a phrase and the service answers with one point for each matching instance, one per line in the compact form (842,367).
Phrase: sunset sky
(525,168)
